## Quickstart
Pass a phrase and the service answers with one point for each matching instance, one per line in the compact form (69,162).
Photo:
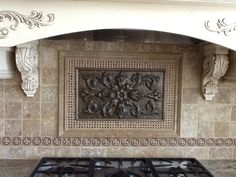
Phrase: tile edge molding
(108,141)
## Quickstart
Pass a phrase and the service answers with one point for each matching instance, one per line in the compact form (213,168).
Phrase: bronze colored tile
(31,110)
(49,110)
(49,76)
(31,128)
(197,152)
(119,152)
(13,92)
(13,127)
(93,152)
(190,95)
(221,129)
(49,94)
(206,129)
(13,152)
(37,152)
(221,153)
(223,112)
(145,152)
(13,110)
(49,127)
(67,151)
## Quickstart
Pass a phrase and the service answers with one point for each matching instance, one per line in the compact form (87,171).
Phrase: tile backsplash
(29,126)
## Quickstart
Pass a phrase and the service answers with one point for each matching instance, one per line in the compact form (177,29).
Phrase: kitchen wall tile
(221,129)
(49,110)
(171,152)
(2,110)
(13,92)
(93,152)
(31,110)
(31,128)
(233,114)
(1,91)
(67,151)
(206,112)
(190,95)
(189,112)
(37,152)
(223,112)
(221,153)
(13,110)
(145,152)
(223,95)
(2,127)
(120,152)
(233,129)
(189,128)
(13,127)
(13,152)
(75,44)
(49,76)
(49,128)
(206,129)
(197,152)
(49,93)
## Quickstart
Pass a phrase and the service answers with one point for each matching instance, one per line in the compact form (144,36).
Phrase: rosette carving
(27,64)
(35,19)
(215,66)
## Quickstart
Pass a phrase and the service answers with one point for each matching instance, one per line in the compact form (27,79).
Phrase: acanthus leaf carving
(36,19)
(221,26)
(215,66)
(27,64)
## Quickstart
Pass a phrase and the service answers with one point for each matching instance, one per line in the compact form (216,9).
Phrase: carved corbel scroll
(27,64)
(215,66)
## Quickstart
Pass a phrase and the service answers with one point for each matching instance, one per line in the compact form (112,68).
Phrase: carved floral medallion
(120,94)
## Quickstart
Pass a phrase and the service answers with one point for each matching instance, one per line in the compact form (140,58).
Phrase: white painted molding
(215,65)
(7,64)
(76,16)
(27,64)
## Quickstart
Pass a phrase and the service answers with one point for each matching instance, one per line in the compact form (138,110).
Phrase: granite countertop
(23,168)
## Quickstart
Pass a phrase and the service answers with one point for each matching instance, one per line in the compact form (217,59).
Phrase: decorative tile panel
(98,93)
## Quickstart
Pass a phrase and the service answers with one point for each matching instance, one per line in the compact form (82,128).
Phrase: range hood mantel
(199,20)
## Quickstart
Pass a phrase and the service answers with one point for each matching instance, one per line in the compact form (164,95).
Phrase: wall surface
(29,126)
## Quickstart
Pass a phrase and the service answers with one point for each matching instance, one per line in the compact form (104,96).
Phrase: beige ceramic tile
(190,95)
(2,110)
(37,152)
(119,152)
(13,152)
(221,129)
(13,127)
(233,114)
(221,153)
(197,152)
(31,128)
(93,152)
(233,129)
(171,152)
(189,112)
(2,127)
(49,76)
(223,112)
(49,128)
(206,129)
(1,91)
(13,92)
(31,110)
(189,128)
(206,112)
(67,151)
(145,152)
(49,110)
(13,110)
(223,96)
(49,94)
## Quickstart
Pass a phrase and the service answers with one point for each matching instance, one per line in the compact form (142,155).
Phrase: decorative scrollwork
(123,94)
(36,19)
(221,27)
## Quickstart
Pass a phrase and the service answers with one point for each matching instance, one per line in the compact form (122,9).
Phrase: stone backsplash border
(74,141)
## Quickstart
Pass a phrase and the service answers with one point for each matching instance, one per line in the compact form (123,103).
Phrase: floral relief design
(120,94)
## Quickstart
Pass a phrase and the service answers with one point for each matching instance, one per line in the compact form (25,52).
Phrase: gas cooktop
(120,167)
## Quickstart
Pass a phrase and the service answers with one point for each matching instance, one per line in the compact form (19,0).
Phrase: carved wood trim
(27,64)
(215,65)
